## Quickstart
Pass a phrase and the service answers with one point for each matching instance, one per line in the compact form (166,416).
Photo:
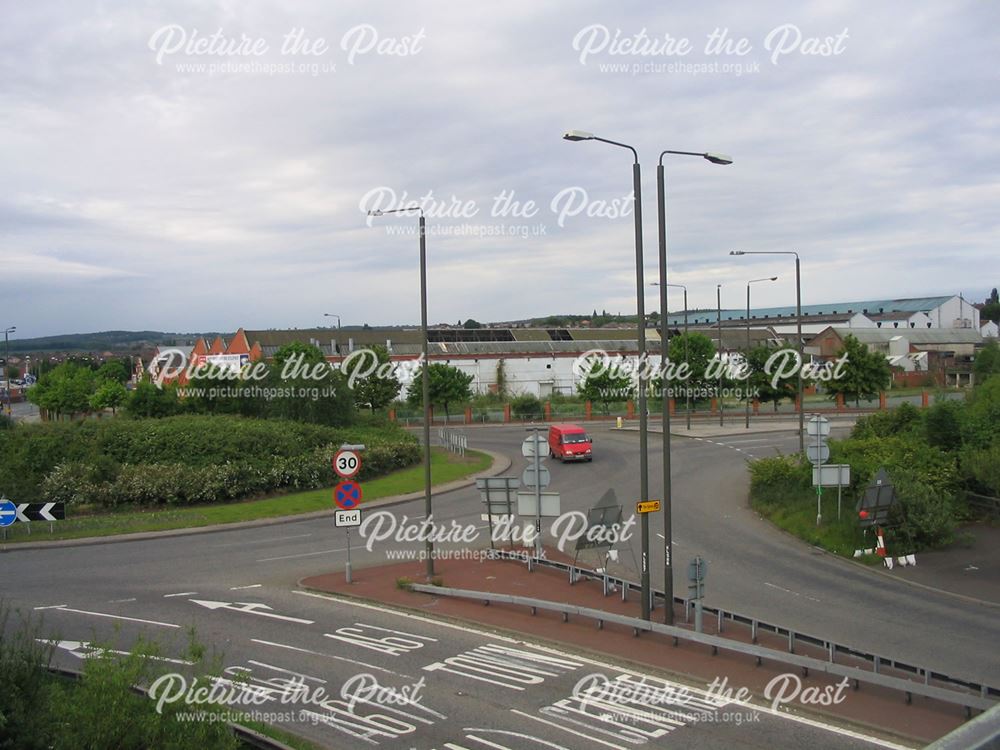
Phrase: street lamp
(798,318)
(425,374)
(580,135)
(6,363)
(718,321)
(687,391)
(661,213)
(747,372)
(331,315)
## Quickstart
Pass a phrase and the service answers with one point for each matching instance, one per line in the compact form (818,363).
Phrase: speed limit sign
(346,463)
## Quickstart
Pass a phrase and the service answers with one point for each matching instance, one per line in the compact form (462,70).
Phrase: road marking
(409,616)
(250,608)
(251,586)
(303,554)
(286,671)
(397,632)
(118,617)
(387,645)
(183,593)
(484,730)
(566,729)
(789,591)
(120,601)
(52,606)
(330,656)
(268,540)
(85,650)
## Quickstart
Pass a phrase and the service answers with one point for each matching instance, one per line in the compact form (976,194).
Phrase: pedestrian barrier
(453,441)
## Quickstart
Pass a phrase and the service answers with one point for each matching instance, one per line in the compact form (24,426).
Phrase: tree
(13,372)
(65,390)
(379,387)
(605,383)
(693,351)
(113,369)
(471,324)
(990,311)
(448,385)
(109,395)
(987,362)
(759,381)
(310,389)
(864,374)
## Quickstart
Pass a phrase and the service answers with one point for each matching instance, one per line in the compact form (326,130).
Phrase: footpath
(874,710)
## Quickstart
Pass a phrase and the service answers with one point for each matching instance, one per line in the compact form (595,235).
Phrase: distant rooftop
(828,311)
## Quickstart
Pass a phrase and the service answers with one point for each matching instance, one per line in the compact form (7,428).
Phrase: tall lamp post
(718,324)
(6,363)
(331,315)
(579,135)
(752,281)
(687,391)
(661,207)
(798,338)
(425,374)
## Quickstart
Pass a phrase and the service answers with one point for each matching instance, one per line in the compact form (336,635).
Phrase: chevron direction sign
(40,511)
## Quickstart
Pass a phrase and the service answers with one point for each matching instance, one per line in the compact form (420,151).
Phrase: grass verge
(445,467)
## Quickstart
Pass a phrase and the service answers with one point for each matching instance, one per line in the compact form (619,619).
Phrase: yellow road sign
(647,506)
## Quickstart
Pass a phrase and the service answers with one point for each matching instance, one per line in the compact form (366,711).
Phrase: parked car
(569,442)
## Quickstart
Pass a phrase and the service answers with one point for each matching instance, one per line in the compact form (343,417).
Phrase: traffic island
(873,709)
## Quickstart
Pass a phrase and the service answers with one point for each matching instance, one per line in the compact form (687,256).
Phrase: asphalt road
(237,589)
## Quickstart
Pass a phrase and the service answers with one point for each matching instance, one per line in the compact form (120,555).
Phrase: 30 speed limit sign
(347,464)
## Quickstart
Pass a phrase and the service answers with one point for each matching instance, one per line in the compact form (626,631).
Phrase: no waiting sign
(346,464)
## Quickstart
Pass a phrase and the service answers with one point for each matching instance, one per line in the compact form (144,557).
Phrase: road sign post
(697,570)
(347,495)
(819,453)
(532,447)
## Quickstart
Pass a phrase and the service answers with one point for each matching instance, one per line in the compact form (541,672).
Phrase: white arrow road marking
(85,650)
(116,617)
(531,738)
(252,608)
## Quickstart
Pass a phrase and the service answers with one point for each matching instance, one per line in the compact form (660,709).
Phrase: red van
(568,442)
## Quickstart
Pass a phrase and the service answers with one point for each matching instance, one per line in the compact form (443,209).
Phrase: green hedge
(185,459)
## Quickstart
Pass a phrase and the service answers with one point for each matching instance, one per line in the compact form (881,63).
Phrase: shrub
(942,427)
(903,419)
(927,517)
(526,406)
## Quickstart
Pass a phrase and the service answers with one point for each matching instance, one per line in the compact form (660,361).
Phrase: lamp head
(737,252)
(774,278)
(376,212)
(718,158)
(577,135)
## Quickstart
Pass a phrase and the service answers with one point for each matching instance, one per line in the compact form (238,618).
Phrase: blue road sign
(8,513)
(347,495)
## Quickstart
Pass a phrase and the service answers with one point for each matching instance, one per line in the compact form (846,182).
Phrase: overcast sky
(145,192)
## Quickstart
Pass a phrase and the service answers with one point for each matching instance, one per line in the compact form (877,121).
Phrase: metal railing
(453,441)
(981,696)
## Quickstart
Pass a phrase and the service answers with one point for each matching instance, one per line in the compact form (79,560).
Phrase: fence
(453,441)
(983,505)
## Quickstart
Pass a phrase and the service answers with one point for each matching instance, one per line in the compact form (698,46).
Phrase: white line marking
(566,729)
(789,591)
(183,593)
(286,671)
(268,540)
(251,586)
(303,554)
(120,601)
(410,616)
(329,656)
(52,606)
(250,608)
(119,617)
(539,740)
(397,632)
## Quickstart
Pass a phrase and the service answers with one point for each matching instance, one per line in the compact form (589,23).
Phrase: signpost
(833,475)
(11,513)
(347,495)
(8,513)
(533,447)
(496,495)
(647,506)
(818,453)
(697,570)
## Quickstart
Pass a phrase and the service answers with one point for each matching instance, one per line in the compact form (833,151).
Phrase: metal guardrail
(246,735)
(982,733)
(984,504)
(832,649)
(806,663)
